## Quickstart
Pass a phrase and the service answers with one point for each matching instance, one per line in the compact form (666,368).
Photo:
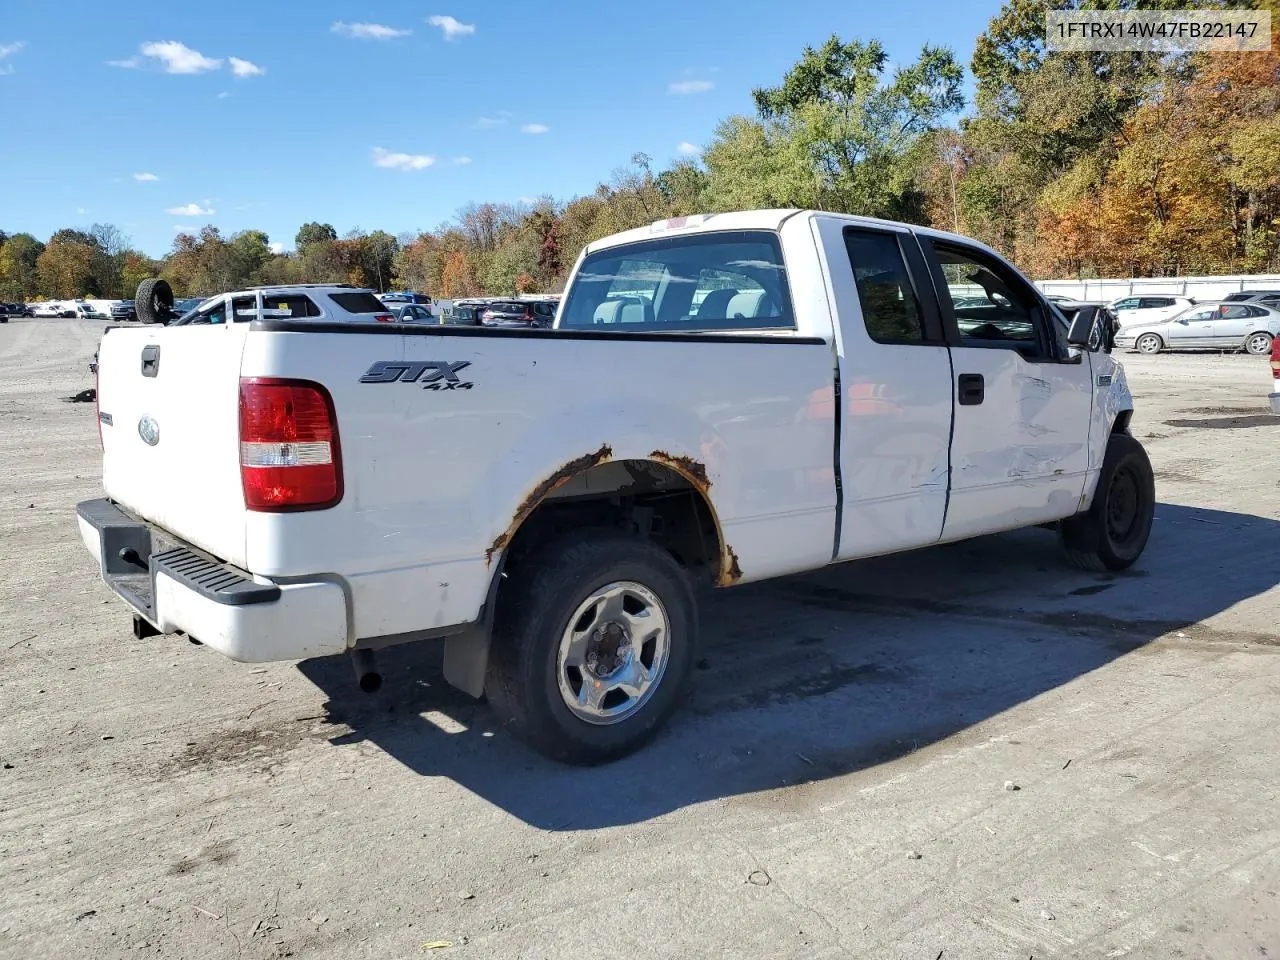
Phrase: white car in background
(1207,326)
(1149,308)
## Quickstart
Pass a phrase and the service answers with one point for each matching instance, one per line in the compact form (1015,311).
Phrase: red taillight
(289,455)
(383,317)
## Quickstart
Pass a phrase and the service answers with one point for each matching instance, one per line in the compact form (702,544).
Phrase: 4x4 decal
(432,374)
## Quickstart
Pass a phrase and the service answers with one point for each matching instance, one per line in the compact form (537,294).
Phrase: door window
(1130,303)
(215,312)
(992,307)
(890,309)
(244,309)
(287,306)
(1156,303)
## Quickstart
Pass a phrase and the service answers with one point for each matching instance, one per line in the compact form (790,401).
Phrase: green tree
(65,269)
(311,233)
(19,276)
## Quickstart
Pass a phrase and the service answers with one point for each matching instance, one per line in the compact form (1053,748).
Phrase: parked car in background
(404,296)
(466,312)
(15,310)
(1149,309)
(409,312)
(48,309)
(87,311)
(1270,297)
(1207,326)
(124,310)
(517,313)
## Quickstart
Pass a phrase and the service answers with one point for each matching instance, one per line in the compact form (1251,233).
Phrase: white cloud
(687,149)
(462,161)
(401,161)
(277,247)
(453,29)
(528,201)
(690,86)
(178,57)
(190,210)
(535,128)
(497,120)
(125,64)
(367,31)
(145,177)
(81,210)
(245,68)
(7,50)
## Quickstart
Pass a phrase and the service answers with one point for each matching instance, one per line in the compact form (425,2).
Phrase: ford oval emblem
(149,431)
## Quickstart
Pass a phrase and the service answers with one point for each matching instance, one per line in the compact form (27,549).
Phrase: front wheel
(1258,344)
(593,648)
(1149,343)
(1112,534)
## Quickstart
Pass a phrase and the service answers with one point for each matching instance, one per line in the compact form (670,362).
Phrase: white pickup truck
(723,399)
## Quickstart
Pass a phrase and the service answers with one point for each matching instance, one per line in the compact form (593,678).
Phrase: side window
(890,309)
(1258,311)
(991,308)
(214,313)
(244,309)
(288,306)
(1200,315)
(1131,303)
(1235,312)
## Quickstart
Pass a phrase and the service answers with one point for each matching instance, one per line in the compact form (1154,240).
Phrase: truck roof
(761,220)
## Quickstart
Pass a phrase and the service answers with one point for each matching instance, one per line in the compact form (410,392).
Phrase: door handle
(971,389)
(151,360)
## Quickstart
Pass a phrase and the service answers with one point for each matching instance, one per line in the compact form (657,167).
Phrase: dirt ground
(842,783)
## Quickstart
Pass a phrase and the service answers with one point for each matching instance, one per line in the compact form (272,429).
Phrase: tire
(1112,534)
(1149,343)
(153,302)
(575,581)
(1258,344)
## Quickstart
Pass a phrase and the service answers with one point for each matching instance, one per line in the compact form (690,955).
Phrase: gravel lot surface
(968,752)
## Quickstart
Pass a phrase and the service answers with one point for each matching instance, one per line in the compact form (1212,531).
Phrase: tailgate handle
(151,359)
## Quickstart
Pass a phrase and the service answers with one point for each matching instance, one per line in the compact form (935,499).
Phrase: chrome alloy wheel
(613,652)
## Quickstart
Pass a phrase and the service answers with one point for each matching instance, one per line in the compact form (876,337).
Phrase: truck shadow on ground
(821,675)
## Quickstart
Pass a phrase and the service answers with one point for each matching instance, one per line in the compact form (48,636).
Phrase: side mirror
(1086,330)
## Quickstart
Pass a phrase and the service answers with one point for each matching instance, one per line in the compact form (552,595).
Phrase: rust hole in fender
(693,469)
(536,495)
(730,572)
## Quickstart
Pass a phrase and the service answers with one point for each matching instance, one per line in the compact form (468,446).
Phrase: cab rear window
(358,302)
(704,282)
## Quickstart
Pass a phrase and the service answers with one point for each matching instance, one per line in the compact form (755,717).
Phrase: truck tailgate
(168,401)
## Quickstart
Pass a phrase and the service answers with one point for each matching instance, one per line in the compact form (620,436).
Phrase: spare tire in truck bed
(153,302)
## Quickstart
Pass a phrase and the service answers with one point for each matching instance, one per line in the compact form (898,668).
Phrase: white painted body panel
(895,418)
(433,479)
(1020,457)
(189,482)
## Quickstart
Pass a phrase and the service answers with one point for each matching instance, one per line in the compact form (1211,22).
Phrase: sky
(391,114)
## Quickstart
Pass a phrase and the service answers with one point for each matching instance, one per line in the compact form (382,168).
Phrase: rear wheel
(594,648)
(1149,343)
(153,302)
(1258,344)
(1112,534)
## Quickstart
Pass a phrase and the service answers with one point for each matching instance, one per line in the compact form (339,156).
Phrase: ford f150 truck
(723,399)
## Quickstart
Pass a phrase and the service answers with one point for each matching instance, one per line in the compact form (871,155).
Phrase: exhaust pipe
(367,675)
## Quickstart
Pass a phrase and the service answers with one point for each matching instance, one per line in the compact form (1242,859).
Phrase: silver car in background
(1207,326)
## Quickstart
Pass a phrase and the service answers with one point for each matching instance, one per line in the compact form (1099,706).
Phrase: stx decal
(432,374)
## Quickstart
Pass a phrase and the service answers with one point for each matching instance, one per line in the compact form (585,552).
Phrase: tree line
(1071,164)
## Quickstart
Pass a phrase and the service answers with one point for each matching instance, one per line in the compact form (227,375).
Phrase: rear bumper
(176,588)
(1274,400)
